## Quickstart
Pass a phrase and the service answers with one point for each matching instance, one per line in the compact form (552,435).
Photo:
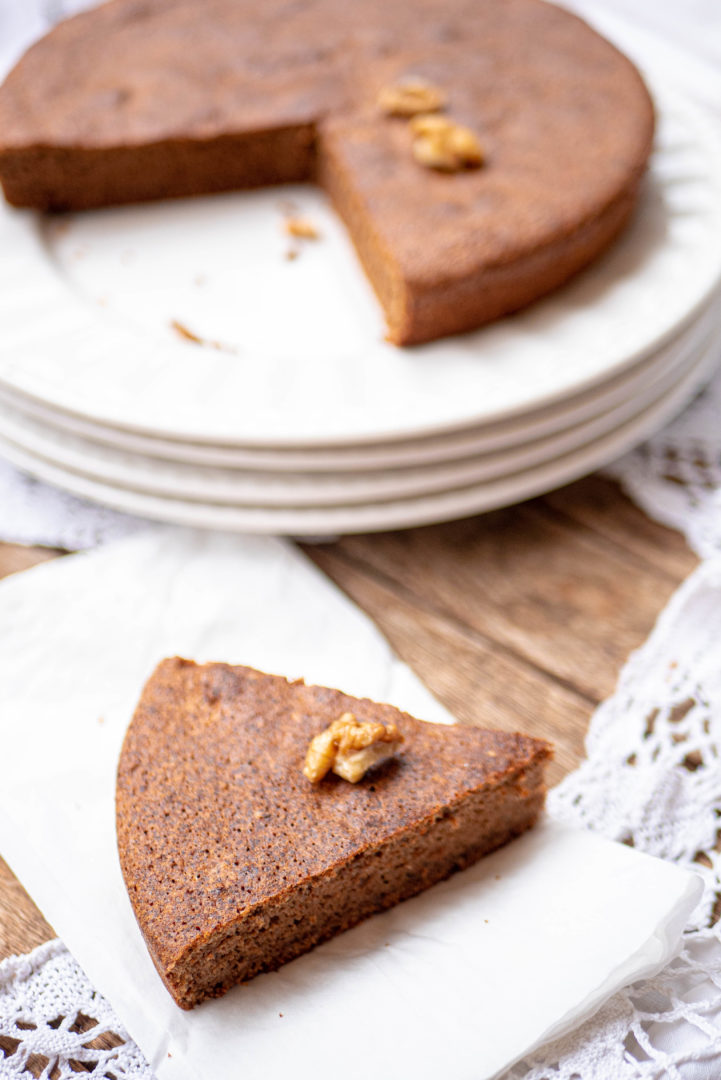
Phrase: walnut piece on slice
(349,748)
(409,97)
(441,143)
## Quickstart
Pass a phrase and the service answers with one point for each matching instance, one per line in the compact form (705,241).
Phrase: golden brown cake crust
(218,828)
(164,102)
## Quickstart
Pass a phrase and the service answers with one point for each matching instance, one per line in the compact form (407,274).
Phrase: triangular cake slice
(236,863)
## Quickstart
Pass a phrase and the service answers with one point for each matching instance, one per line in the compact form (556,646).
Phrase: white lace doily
(54,1025)
(676,476)
(651,779)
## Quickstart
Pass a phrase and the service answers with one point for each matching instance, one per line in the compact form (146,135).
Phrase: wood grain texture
(551,591)
(520,619)
(22,926)
(17,557)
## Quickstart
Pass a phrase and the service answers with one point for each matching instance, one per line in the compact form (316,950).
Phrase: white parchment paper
(465,978)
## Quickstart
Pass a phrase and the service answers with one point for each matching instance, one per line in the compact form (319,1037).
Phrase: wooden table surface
(519,619)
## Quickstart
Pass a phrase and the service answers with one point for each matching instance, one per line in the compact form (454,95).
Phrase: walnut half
(440,143)
(349,748)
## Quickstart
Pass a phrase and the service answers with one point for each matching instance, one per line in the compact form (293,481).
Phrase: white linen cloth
(652,771)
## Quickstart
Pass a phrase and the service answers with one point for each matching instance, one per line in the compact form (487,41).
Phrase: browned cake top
(565,119)
(214,814)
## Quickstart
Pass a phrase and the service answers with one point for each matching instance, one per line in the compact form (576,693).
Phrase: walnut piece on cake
(441,143)
(350,749)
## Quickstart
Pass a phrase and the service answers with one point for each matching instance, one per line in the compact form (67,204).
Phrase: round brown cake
(147,99)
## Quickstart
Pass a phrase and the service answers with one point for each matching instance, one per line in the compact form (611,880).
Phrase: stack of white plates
(170,360)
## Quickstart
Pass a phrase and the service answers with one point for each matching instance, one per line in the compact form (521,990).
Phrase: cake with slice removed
(148,99)
(236,863)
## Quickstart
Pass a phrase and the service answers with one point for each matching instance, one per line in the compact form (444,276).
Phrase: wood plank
(597,504)
(22,927)
(17,557)
(559,595)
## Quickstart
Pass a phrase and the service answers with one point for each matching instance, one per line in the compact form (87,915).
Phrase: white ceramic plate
(379,516)
(534,425)
(257,488)
(305,364)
